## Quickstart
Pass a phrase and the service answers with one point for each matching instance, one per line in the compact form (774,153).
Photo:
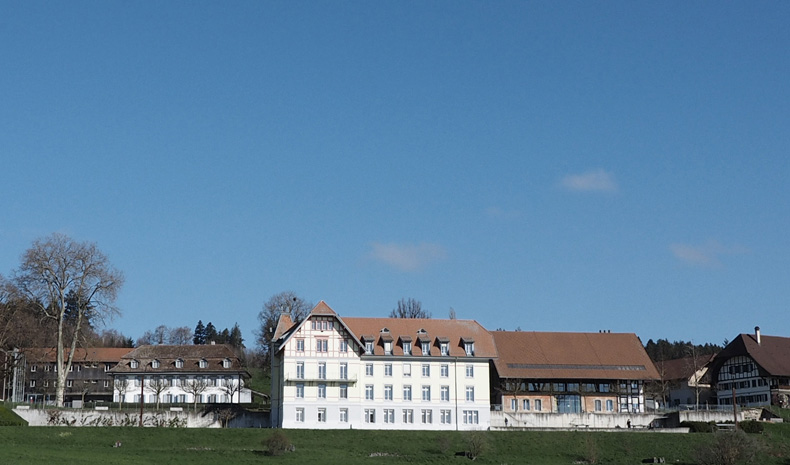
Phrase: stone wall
(85,417)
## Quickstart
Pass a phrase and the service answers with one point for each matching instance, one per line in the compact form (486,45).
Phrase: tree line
(662,350)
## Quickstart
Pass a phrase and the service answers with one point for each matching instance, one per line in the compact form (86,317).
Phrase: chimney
(757,334)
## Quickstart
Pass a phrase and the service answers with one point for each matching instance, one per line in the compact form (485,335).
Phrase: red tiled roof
(403,328)
(681,368)
(214,354)
(544,355)
(771,355)
(93,354)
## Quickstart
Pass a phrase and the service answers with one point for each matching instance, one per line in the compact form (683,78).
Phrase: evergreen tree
(210,334)
(223,336)
(200,334)
(235,337)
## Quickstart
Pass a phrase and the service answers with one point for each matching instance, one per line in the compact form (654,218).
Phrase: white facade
(741,373)
(323,378)
(175,389)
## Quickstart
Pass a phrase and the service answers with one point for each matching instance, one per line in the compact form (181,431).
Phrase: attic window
(203,363)
(385,330)
(469,348)
(368,347)
(388,347)
(134,364)
(180,363)
(422,331)
(426,348)
(226,363)
(154,363)
(445,347)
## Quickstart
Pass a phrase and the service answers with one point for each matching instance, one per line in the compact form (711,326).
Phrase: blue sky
(553,166)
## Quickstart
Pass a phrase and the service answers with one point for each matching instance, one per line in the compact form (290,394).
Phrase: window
(609,405)
(344,348)
(469,348)
(427,416)
(322,370)
(445,348)
(344,391)
(368,347)
(470,393)
(154,363)
(388,392)
(426,393)
(299,370)
(134,364)
(107,366)
(426,370)
(369,392)
(300,415)
(322,415)
(322,345)
(32,383)
(445,371)
(538,405)
(203,363)
(343,415)
(388,348)
(514,404)
(407,348)
(388,369)
(426,348)
(389,415)
(470,371)
(300,391)
(525,404)
(344,371)
(368,369)
(445,393)
(300,345)
(226,363)
(322,391)
(70,383)
(179,363)
(446,417)
(407,392)
(370,415)
(106,383)
(33,368)
(597,405)
(471,417)
(408,415)
(407,369)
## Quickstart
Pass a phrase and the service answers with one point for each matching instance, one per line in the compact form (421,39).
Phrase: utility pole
(734,407)
(142,397)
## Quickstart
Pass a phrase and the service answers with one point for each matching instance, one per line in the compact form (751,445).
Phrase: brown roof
(214,354)
(401,329)
(540,355)
(681,368)
(771,355)
(93,354)
(284,323)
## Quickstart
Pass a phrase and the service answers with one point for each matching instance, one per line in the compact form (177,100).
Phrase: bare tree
(284,302)
(122,386)
(55,270)
(180,336)
(409,308)
(196,387)
(163,334)
(231,387)
(157,385)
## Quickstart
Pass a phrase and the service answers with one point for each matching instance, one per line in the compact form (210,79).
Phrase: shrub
(277,443)
(699,426)
(476,443)
(751,427)
(729,448)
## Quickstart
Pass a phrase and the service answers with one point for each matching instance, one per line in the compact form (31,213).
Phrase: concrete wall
(569,420)
(70,417)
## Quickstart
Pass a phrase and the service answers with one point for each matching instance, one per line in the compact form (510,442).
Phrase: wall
(569,420)
(73,417)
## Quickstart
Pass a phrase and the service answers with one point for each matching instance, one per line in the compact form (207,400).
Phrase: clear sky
(553,166)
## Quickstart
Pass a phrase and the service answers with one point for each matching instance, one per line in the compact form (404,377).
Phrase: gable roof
(92,354)
(454,332)
(544,355)
(287,328)
(681,368)
(771,354)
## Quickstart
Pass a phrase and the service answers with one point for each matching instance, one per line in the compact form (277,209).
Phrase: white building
(188,374)
(380,373)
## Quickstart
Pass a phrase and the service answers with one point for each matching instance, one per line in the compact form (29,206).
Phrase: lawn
(37,445)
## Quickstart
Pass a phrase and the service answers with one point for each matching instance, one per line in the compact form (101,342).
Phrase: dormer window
(469,347)
(426,348)
(154,363)
(180,363)
(445,347)
(388,348)
(407,348)
(422,331)
(368,347)
(134,364)
(203,363)
(226,363)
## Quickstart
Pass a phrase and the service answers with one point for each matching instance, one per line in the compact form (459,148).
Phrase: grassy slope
(241,446)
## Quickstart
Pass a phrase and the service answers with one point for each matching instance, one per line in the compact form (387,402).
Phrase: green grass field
(42,445)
